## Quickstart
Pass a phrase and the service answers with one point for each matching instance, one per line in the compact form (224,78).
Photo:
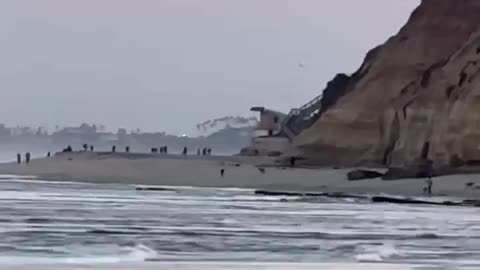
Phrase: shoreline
(240,172)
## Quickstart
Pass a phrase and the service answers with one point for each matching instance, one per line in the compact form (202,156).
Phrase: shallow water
(45,225)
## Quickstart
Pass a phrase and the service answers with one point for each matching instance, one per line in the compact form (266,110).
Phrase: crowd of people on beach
(162,150)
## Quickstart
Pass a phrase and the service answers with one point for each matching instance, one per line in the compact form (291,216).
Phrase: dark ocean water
(45,225)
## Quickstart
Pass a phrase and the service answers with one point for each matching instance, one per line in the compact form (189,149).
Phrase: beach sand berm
(240,172)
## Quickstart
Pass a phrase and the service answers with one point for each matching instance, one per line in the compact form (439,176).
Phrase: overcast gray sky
(170,64)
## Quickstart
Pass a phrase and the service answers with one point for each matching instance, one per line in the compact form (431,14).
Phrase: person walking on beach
(19,158)
(27,157)
(428,188)
(428,181)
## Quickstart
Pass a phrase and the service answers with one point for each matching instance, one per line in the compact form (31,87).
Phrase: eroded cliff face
(417,95)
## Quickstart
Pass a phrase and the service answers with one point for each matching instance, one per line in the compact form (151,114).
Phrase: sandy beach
(240,172)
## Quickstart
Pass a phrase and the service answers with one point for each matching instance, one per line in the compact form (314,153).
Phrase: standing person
(48,154)
(292,162)
(222,172)
(127,149)
(19,158)
(429,175)
(185,151)
(204,151)
(114,148)
(27,157)
(428,187)
(85,147)
(209,151)
(91,148)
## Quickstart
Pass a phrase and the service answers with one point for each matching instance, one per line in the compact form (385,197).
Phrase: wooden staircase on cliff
(301,118)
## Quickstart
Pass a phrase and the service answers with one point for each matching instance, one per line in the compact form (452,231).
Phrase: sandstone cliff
(417,95)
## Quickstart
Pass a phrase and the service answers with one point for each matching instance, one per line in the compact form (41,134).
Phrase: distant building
(107,137)
(21,131)
(83,129)
(4,131)
(84,133)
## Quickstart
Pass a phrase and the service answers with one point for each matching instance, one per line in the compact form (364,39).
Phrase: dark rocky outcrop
(335,89)
(278,193)
(362,175)
(400,173)
(374,199)
(383,199)
(338,195)
(153,189)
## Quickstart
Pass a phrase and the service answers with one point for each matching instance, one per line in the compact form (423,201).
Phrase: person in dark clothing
(19,158)
(292,162)
(428,188)
(91,148)
(429,175)
(127,149)
(85,147)
(222,172)
(48,154)
(27,157)
(209,151)
(185,151)
(204,152)
(114,149)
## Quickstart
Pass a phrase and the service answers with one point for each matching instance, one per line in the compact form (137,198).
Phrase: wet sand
(224,266)
(240,172)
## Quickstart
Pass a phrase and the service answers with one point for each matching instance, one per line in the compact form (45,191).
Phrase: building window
(270,132)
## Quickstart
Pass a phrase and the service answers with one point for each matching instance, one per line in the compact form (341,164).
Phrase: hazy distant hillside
(230,140)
